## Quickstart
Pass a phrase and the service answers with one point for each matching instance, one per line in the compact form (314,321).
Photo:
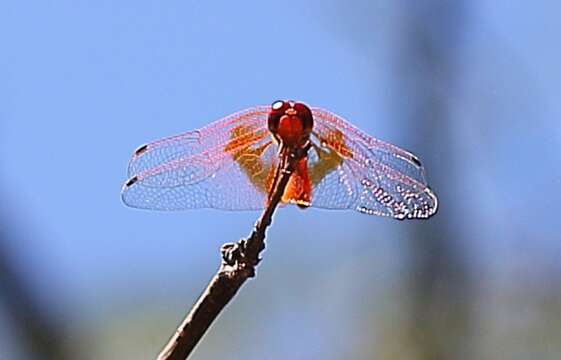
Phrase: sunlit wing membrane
(364,173)
(231,163)
(225,165)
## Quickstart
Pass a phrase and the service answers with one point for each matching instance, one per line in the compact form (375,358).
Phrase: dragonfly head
(290,123)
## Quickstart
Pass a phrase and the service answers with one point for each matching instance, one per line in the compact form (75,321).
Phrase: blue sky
(88,83)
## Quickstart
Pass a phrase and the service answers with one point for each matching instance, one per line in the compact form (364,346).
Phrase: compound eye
(305,115)
(303,110)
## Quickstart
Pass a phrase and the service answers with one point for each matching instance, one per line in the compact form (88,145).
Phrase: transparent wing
(352,170)
(225,165)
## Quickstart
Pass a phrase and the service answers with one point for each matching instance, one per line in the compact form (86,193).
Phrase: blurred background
(471,87)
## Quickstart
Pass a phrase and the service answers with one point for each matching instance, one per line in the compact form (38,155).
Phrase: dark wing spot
(130,182)
(141,150)
(416,161)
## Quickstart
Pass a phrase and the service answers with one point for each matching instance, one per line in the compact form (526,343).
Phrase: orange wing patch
(250,160)
(261,174)
(331,155)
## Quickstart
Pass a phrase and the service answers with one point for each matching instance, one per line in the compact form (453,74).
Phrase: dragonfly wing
(369,175)
(333,184)
(219,166)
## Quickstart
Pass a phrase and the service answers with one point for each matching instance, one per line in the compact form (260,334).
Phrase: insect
(232,164)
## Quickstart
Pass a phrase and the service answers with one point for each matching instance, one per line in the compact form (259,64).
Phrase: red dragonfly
(231,165)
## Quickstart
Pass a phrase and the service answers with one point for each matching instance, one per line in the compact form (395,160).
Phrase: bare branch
(238,264)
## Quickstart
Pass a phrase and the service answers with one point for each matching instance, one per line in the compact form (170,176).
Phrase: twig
(238,264)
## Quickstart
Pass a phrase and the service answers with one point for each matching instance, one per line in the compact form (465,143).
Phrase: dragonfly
(233,163)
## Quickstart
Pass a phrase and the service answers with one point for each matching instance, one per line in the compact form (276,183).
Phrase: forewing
(219,166)
(367,174)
